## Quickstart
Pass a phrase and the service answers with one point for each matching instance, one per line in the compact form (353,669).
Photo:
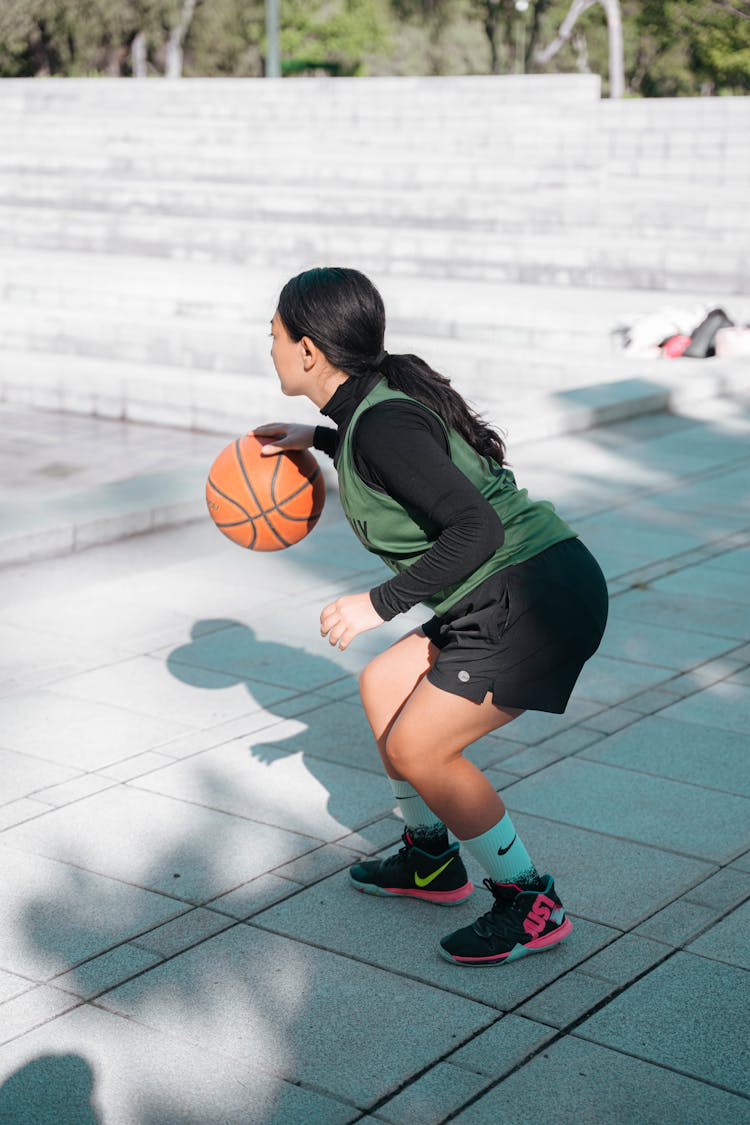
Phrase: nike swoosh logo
(428,879)
(502,851)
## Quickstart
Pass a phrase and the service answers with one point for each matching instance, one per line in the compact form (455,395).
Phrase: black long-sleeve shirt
(400,448)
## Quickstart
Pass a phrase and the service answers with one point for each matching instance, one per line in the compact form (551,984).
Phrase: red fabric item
(675,346)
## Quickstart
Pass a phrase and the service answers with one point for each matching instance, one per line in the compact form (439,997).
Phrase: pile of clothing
(695,332)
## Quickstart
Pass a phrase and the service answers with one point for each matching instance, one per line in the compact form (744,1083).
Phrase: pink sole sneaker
(441,898)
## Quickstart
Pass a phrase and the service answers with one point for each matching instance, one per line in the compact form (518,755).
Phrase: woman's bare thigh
(389,679)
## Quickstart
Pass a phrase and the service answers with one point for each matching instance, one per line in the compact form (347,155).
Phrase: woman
(519,602)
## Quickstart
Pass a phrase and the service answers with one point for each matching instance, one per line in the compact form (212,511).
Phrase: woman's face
(289,360)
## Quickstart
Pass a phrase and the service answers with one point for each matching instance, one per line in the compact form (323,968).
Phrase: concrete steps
(528,404)
(263,100)
(146,228)
(541,208)
(584,257)
(216,316)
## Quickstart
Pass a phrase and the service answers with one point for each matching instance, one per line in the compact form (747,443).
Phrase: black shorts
(524,633)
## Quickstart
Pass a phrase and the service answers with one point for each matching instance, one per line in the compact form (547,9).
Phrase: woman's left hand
(347,617)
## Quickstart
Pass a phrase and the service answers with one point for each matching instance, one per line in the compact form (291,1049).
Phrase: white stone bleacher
(146,227)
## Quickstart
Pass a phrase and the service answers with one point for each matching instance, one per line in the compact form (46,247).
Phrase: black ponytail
(343,314)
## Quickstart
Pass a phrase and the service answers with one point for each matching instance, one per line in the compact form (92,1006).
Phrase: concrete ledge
(62,525)
(150,501)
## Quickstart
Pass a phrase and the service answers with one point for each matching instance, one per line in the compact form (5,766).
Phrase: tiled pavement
(186,775)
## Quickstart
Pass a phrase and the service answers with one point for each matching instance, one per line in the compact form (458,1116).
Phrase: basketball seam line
(231,501)
(275,507)
(239,523)
(315,516)
(255,498)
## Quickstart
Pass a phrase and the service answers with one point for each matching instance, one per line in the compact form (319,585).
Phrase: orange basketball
(264,503)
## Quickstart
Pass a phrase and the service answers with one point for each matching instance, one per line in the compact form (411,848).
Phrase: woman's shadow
(291,684)
(50,1090)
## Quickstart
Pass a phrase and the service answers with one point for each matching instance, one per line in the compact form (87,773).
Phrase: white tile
(153,841)
(80,733)
(30,658)
(119,1071)
(55,915)
(263,777)
(22,774)
(184,695)
(31,1009)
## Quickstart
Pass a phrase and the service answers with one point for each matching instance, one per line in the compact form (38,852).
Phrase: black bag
(702,343)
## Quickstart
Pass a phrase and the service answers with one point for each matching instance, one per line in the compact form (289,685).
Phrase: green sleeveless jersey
(396,533)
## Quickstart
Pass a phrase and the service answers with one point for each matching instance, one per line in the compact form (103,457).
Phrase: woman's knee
(371,678)
(409,755)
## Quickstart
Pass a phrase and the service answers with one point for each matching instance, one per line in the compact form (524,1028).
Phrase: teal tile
(682,751)
(336,732)
(268,778)
(692,614)
(529,759)
(677,923)
(620,802)
(56,915)
(296,1011)
(606,680)
(503,1046)
(644,643)
(567,999)
(727,888)
(239,652)
(89,1066)
(720,496)
(728,940)
(649,702)
(737,561)
(600,877)
(647,534)
(181,933)
(712,578)
(106,971)
(535,726)
(724,705)
(317,864)
(437,1093)
(188,851)
(253,896)
(615,718)
(590,1085)
(625,959)
(403,935)
(689,1013)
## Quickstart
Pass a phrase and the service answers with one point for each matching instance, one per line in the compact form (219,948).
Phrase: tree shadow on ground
(128,869)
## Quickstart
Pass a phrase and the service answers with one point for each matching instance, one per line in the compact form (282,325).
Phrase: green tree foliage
(672,47)
(226,38)
(339,33)
(79,37)
(692,47)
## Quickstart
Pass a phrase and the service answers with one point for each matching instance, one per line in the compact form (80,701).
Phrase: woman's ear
(309,352)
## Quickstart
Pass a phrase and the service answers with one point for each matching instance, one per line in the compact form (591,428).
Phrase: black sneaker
(526,919)
(416,874)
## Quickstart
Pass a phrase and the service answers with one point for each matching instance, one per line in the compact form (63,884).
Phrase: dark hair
(343,314)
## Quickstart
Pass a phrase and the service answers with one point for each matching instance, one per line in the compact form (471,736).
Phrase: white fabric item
(733,341)
(646,332)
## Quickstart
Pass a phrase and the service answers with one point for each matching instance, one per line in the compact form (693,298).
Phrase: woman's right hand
(287,435)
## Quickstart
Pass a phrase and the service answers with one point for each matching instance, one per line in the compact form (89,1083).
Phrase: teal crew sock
(426,830)
(502,855)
